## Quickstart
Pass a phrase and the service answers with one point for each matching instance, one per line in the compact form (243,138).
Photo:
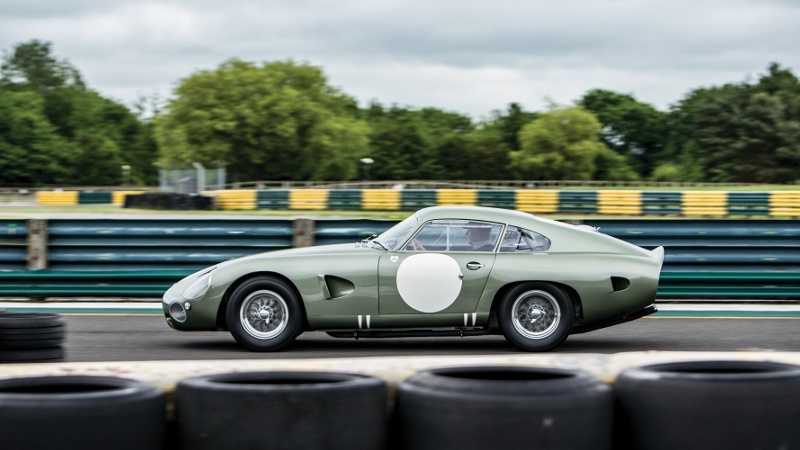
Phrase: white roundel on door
(429,282)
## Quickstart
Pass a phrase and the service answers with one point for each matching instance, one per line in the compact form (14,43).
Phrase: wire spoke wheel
(536,314)
(264,314)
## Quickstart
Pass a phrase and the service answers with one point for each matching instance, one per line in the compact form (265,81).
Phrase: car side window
(456,236)
(520,240)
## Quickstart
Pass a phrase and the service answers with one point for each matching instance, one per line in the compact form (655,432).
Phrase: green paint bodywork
(351,286)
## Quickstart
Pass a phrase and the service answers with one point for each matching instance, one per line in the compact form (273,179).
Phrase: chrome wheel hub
(535,314)
(264,314)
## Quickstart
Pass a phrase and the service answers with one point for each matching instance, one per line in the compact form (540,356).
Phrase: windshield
(398,234)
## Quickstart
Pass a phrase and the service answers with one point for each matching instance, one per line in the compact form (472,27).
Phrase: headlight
(198,288)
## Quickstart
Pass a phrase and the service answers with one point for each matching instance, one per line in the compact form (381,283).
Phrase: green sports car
(444,271)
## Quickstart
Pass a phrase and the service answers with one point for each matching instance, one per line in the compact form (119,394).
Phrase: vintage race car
(444,271)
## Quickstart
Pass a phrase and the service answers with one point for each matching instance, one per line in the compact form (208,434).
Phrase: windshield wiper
(371,239)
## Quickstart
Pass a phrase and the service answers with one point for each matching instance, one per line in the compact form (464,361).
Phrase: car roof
(475,213)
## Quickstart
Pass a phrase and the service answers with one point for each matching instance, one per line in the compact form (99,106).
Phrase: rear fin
(658,255)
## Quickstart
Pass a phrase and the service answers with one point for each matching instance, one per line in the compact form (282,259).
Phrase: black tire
(536,317)
(504,408)
(32,355)
(281,410)
(24,335)
(276,324)
(7,332)
(11,321)
(30,344)
(708,404)
(81,412)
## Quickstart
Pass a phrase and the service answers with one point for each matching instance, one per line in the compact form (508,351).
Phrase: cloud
(461,56)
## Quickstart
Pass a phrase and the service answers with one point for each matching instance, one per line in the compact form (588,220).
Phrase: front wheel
(536,316)
(264,314)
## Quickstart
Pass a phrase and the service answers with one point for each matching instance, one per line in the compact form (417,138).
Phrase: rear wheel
(536,316)
(264,314)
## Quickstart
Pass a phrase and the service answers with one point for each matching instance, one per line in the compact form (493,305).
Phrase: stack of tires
(31,337)
(691,405)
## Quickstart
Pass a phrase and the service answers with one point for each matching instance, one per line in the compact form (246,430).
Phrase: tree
(30,66)
(561,144)
(509,123)
(635,130)
(31,152)
(278,121)
(93,134)
(745,132)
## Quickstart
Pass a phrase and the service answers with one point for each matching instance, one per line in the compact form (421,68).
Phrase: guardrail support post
(303,233)
(37,244)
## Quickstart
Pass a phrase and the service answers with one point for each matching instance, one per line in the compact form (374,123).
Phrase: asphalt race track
(148,338)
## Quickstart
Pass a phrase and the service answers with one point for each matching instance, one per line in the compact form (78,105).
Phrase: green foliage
(72,134)
(509,124)
(611,166)
(633,129)
(561,144)
(31,152)
(742,132)
(276,121)
(418,144)
(30,66)
(668,172)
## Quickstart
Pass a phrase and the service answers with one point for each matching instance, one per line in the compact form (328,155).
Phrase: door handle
(474,265)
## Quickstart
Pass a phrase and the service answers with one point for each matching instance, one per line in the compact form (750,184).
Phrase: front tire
(536,317)
(264,314)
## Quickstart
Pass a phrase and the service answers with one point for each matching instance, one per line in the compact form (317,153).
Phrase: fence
(705,259)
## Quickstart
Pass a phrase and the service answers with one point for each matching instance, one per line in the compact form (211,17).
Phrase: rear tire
(264,314)
(536,317)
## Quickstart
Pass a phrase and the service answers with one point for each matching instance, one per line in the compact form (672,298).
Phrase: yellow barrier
(67,198)
(235,199)
(619,202)
(308,199)
(784,203)
(467,197)
(118,197)
(537,201)
(705,203)
(381,199)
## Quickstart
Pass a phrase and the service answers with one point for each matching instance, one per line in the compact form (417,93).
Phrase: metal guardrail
(705,259)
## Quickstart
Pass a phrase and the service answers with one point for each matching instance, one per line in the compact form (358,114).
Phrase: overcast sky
(470,57)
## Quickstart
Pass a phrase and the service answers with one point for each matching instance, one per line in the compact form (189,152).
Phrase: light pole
(366,162)
(126,172)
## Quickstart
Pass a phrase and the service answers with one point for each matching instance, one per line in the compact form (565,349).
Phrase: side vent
(620,284)
(338,287)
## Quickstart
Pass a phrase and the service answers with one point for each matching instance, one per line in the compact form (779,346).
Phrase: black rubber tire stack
(708,404)
(81,413)
(504,408)
(31,337)
(282,410)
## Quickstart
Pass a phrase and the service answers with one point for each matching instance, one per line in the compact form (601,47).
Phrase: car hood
(319,250)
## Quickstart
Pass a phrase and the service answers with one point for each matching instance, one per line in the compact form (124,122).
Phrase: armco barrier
(607,202)
(167,374)
(704,259)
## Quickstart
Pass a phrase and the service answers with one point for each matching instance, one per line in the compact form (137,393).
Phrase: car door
(443,268)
